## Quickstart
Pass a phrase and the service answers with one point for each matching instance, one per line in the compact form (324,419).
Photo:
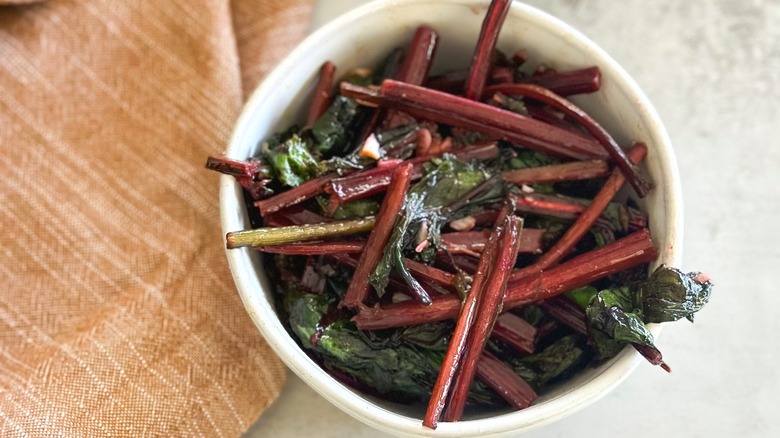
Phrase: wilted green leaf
(670,294)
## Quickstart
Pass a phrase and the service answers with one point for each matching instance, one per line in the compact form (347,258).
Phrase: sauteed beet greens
(456,239)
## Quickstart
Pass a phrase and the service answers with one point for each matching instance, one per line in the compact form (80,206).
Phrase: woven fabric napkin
(118,315)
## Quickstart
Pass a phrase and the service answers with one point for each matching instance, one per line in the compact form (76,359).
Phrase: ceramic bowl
(362,38)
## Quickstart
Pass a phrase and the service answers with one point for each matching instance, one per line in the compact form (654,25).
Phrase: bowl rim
(361,408)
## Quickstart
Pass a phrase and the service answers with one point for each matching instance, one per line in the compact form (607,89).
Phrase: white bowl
(361,38)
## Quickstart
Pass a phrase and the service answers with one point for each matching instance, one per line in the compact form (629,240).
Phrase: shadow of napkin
(118,314)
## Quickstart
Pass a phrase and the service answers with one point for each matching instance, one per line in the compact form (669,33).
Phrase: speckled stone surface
(712,70)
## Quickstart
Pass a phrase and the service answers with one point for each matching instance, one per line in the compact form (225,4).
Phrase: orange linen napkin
(118,315)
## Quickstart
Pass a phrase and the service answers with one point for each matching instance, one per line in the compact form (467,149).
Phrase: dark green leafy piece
(292,162)
(446,181)
(617,316)
(402,362)
(670,294)
(559,358)
(613,317)
(333,129)
(392,258)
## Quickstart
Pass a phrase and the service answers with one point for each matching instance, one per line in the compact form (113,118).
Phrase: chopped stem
(323,93)
(483,52)
(586,80)
(502,379)
(630,251)
(572,171)
(566,208)
(474,241)
(515,332)
(237,168)
(431,274)
(295,195)
(491,301)
(297,233)
(373,181)
(492,121)
(385,220)
(567,312)
(294,216)
(585,220)
(629,169)
(455,350)
(419,56)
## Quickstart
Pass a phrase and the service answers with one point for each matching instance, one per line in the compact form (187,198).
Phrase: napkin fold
(118,315)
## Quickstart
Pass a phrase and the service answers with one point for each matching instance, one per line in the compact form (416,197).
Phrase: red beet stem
(474,241)
(455,350)
(653,355)
(572,171)
(295,195)
(323,93)
(293,216)
(567,208)
(419,56)
(585,220)
(632,250)
(314,248)
(491,300)
(370,182)
(567,312)
(505,382)
(448,82)
(483,52)
(237,168)
(380,234)
(586,80)
(629,169)
(430,274)
(515,332)
(492,121)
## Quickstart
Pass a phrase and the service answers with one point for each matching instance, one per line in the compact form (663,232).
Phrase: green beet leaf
(292,162)
(613,318)
(403,363)
(332,130)
(557,359)
(670,294)
(447,180)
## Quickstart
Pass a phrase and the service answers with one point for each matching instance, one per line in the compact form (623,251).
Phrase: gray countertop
(712,70)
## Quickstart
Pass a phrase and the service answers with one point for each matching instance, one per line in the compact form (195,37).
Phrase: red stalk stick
(295,195)
(455,350)
(586,80)
(370,182)
(583,223)
(323,93)
(515,332)
(490,303)
(380,234)
(419,56)
(487,119)
(505,382)
(474,241)
(544,95)
(632,250)
(572,171)
(483,52)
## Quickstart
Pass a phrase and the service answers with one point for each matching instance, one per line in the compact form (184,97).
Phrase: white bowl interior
(362,38)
